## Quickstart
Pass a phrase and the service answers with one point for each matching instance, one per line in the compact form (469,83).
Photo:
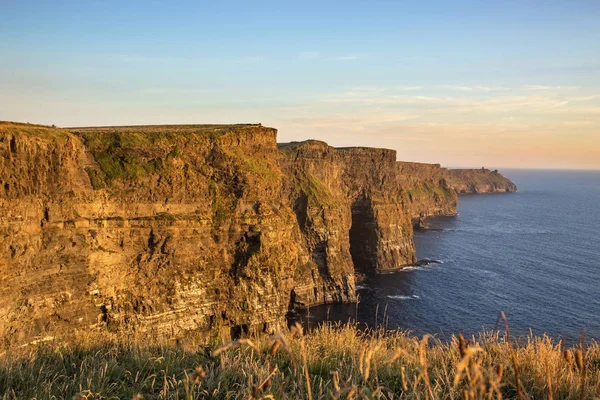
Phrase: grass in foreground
(335,361)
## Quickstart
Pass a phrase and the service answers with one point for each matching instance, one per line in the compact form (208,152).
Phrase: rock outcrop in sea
(199,229)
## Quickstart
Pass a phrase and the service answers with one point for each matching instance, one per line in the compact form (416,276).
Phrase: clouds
(524,125)
(453,100)
(354,122)
(475,89)
(543,87)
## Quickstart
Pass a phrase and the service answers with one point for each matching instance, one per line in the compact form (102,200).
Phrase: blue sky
(498,83)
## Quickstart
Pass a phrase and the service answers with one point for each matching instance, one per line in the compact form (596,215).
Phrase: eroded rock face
(348,206)
(177,231)
(202,229)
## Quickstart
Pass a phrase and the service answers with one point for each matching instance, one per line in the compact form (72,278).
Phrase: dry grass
(334,361)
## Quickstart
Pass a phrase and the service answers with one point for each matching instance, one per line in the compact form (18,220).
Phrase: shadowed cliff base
(194,228)
(363,236)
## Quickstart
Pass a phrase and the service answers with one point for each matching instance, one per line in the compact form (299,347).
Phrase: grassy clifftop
(332,362)
(132,152)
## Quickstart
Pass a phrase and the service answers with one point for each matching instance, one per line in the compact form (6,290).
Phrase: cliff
(348,205)
(172,229)
(426,188)
(194,229)
(479,181)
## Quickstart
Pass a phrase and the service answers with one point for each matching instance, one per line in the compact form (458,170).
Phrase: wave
(522,231)
(361,287)
(506,231)
(428,264)
(427,261)
(402,297)
(412,268)
(423,264)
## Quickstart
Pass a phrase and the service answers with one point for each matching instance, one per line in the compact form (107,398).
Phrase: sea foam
(402,297)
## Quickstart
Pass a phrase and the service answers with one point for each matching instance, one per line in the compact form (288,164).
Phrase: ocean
(534,254)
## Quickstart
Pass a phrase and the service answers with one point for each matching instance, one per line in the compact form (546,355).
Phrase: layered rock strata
(173,229)
(204,229)
(349,206)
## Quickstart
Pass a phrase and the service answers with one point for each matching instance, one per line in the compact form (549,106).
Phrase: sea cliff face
(479,181)
(358,188)
(201,229)
(172,230)
(426,189)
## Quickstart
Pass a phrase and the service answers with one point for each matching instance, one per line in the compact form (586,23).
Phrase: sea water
(534,254)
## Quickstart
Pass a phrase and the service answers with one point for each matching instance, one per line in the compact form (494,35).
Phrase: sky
(462,83)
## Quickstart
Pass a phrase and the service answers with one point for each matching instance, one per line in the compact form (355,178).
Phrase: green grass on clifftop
(429,189)
(33,130)
(123,155)
(315,190)
(133,152)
